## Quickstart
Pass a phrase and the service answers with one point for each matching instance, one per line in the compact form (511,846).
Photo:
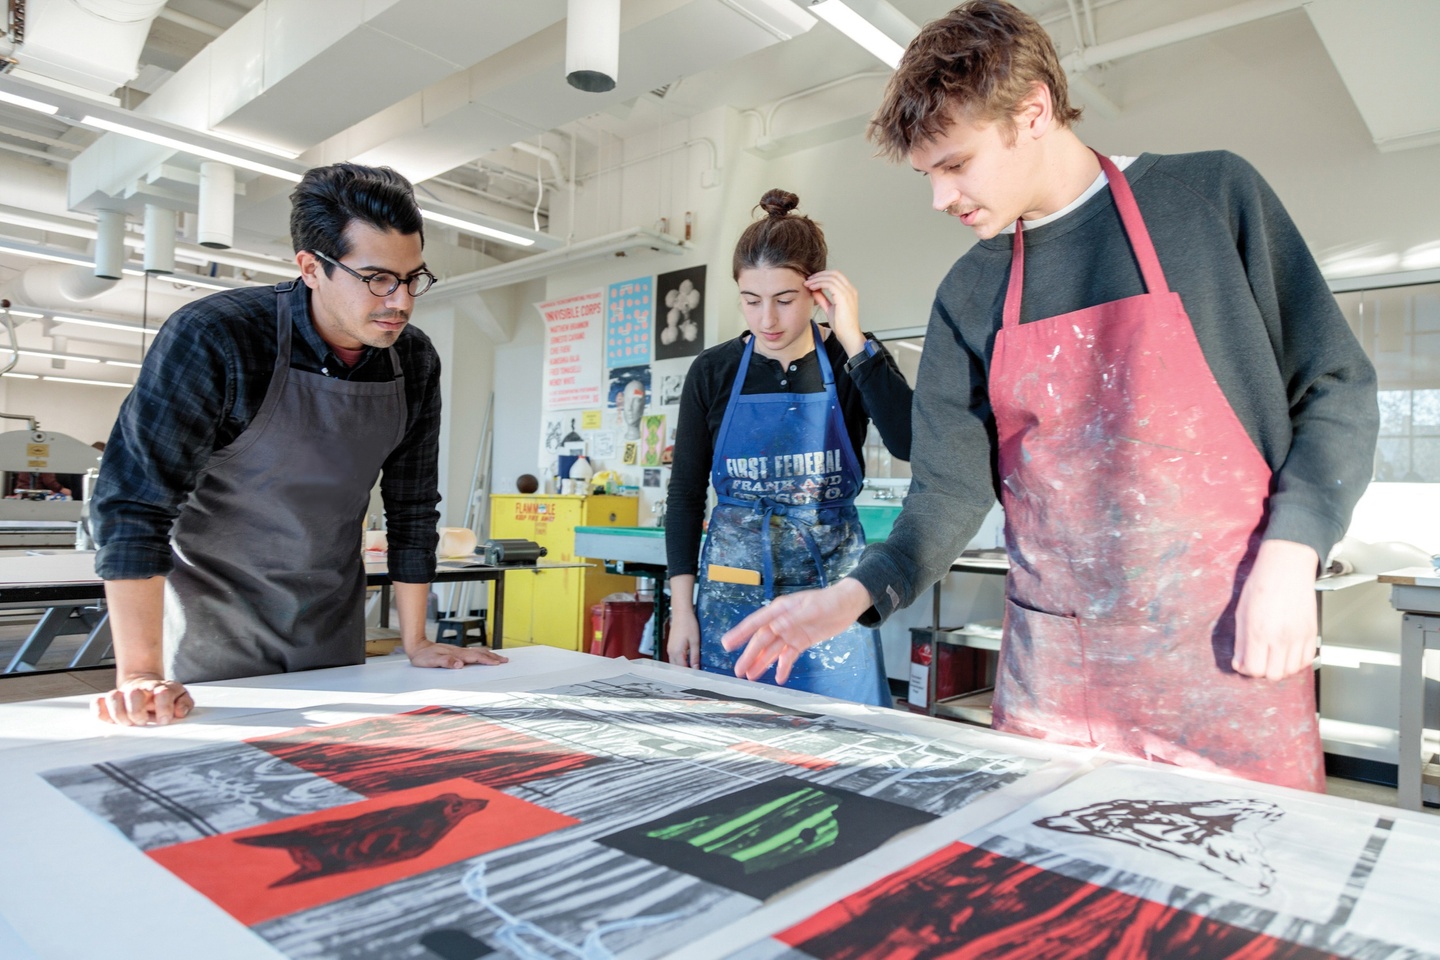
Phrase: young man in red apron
(1178,417)
(232,503)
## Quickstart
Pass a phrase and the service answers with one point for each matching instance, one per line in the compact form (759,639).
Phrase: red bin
(620,628)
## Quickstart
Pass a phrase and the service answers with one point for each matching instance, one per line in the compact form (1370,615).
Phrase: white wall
(84,412)
(517,383)
(467,367)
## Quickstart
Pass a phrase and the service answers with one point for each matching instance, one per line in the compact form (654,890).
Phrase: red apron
(1134,504)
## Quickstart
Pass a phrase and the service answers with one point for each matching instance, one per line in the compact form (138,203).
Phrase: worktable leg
(497,625)
(662,612)
(384,606)
(932,681)
(1413,628)
(96,646)
(35,645)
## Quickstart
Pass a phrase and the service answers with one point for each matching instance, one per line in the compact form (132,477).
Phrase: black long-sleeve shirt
(874,390)
(1271,332)
(203,381)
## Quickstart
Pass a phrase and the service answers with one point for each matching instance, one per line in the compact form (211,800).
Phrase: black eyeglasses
(384,283)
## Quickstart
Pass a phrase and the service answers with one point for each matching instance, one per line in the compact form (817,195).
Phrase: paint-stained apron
(785,478)
(1134,506)
(268,576)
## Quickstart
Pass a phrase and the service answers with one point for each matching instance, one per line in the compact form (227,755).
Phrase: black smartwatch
(871,348)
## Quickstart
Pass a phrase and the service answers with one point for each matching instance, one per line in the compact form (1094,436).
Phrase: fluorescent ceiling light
(122,363)
(909,346)
(22,376)
(24,313)
(477,229)
(193,149)
(277,268)
(65,225)
(280,152)
(256,262)
(187,280)
(541,264)
(39,254)
(107,324)
(56,356)
(14,99)
(857,28)
(93,383)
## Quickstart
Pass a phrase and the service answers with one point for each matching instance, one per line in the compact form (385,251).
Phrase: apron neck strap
(738,386)
(283,328)
(1135,231)
(827,372)
(1135,228)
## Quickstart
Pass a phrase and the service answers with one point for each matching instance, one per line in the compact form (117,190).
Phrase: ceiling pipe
(216,220)
(159,239)
(1081,60)
(190,23)
(110,245)
(48,194)
(546,154)
(592,45)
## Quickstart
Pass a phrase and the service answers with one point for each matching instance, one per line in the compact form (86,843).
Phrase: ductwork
(523,92)
(291,73)
(91,44)
(1164,36)
(54,286)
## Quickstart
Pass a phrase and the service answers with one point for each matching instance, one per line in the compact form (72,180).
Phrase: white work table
(1278,864)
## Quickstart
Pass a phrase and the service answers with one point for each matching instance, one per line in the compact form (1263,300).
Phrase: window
(1399,327)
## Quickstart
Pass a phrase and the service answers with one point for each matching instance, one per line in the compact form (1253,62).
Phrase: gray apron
(268,576)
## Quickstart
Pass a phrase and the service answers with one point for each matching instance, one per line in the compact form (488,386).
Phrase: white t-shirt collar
(1090,191)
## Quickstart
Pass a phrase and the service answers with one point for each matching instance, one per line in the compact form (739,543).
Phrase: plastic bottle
(581,472)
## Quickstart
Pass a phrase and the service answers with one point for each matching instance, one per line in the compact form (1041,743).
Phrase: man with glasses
(237,478)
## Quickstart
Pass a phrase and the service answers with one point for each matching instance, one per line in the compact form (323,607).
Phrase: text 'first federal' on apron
(268,576)
(1134,506)
(786,477)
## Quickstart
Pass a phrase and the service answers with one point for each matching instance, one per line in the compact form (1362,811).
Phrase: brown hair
(781,239)
(979,60)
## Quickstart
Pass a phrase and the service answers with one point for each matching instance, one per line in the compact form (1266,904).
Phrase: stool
(460,627)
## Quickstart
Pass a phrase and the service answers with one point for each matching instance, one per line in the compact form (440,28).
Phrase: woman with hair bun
(775,420)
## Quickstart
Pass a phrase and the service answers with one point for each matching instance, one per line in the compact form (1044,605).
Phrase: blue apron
(786,477)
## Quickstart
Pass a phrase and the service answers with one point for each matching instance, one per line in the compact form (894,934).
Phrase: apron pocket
(1040,682)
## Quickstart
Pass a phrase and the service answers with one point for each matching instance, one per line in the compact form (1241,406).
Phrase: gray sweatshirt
(1272,333)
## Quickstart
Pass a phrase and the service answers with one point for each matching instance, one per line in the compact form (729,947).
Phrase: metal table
(963,706)
(73,597)
(1415,592)
(632,552)
(968,707)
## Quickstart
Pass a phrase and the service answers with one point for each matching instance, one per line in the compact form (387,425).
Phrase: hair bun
(778,203)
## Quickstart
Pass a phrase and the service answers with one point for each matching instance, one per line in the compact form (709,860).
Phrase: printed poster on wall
(627,322)
(667,381)
(680,322)
(628,393)
(652,439)
(573,348)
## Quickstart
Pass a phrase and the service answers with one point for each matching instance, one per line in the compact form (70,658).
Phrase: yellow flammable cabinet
(553,606)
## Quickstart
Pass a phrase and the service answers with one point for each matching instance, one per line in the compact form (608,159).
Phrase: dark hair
(781,239)
(980,60)
(329,199)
